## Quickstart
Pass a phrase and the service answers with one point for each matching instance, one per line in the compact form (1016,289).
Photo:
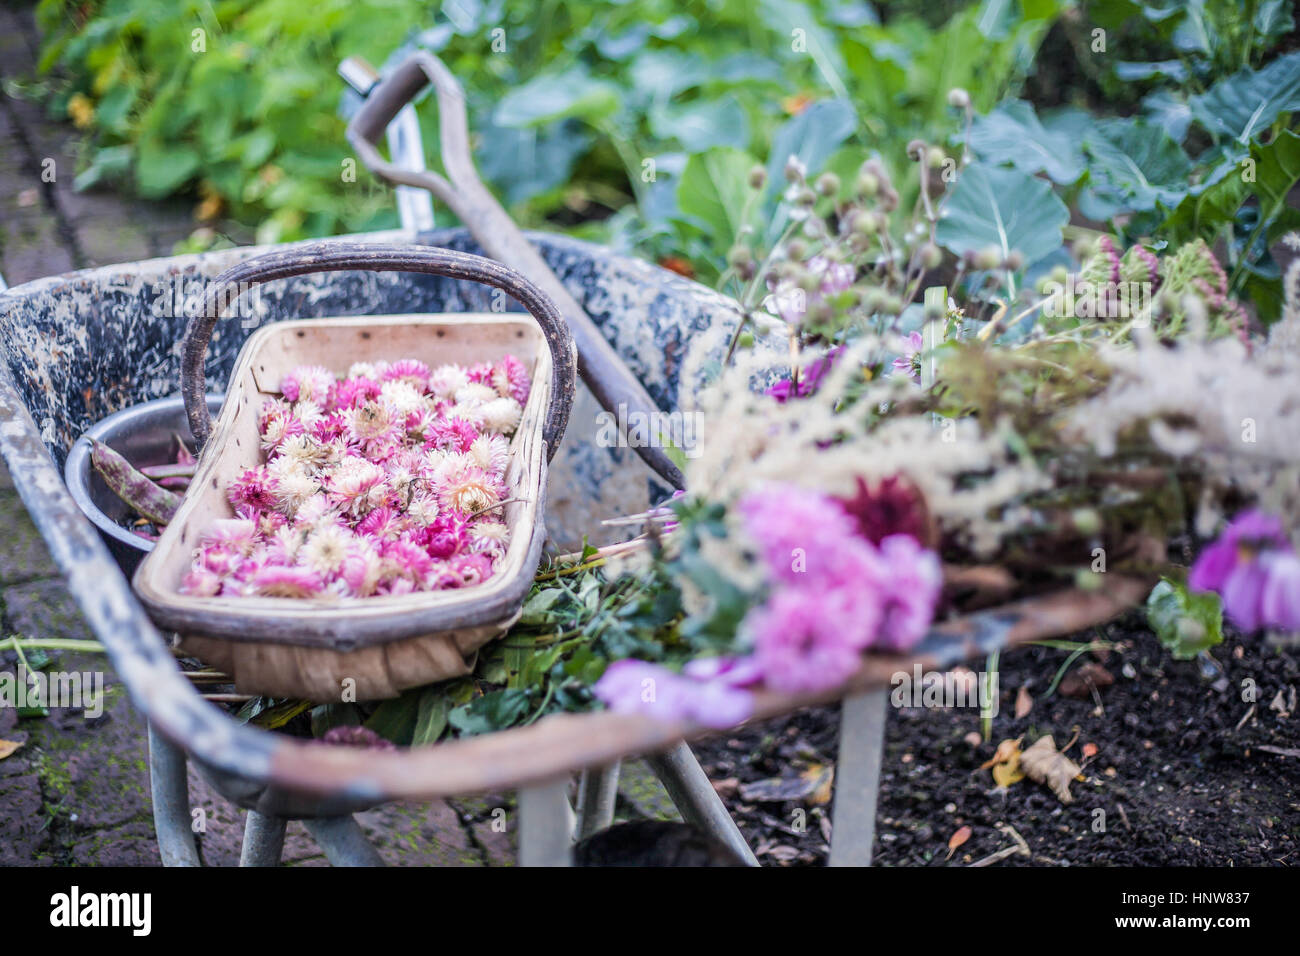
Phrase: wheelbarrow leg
(857,777)
(263,840)
(696,800)
(343,841)
(597,794)
(546,824)
(171,802)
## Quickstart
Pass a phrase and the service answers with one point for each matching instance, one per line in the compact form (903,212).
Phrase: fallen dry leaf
(1024,703)
(1005,774)
(957,839)
(1003,753)
(1044,764)
(1005,763)
(1089,750)
(823,779)
(8,746)
(973,738)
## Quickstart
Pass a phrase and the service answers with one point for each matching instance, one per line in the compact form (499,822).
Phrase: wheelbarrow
(57,379)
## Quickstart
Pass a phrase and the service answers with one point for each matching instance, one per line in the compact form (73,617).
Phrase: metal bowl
(143,435)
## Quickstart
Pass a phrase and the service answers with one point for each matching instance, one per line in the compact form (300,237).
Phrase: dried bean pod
(137,490)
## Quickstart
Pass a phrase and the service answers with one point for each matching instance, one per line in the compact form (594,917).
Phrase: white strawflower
(501,415)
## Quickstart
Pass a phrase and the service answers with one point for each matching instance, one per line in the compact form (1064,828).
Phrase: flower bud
(988,258)
(1014,260)
(935,157)
(828,184)
(959,98)
(757,177)
(931,256)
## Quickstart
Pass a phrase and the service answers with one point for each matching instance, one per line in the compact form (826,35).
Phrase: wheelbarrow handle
(611,382)
(331,256)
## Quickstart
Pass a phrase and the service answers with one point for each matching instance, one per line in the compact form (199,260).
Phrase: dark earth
(1180,769)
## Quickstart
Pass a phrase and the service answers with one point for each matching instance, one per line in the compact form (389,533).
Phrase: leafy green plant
(1186,622)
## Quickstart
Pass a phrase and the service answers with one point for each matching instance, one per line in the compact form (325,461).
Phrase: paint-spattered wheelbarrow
(78,347)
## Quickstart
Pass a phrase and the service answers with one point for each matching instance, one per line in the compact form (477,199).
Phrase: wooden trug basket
(286,647)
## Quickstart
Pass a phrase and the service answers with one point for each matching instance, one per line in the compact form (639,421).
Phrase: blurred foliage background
(636,122)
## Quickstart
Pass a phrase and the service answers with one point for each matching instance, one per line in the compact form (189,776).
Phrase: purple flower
(914,579)
(638,687)
(809,381)
(800,647)
(909,362)
(1280,602)
(801,534)
(1253,567)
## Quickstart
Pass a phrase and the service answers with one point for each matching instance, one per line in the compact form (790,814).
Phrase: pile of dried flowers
(385,481)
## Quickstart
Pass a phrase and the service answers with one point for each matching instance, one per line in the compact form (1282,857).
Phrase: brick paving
(77,791)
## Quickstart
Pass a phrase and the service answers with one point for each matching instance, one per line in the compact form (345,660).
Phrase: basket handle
(333,256)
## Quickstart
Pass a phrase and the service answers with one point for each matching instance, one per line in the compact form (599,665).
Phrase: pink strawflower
(275,581)
(452,435)
(237,534)
(447,537)
(510,379)
(480,374)
(374,426)
(353,485)
(348,393)
(307,382)
(471,569)
(253,488)
(382,523)
(408,370)
(405,559)
(200,582)
(330,427)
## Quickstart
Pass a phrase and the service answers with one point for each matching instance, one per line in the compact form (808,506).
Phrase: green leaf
(1012,134)
(1186,622)
(162,169)
(553,96)
(1277,169)
(1239,106)
(495,711)
(1004,208)
(431,716)
(812,137)
(714,190)
(537,609)
(1135,165)
(395,719)
(703,125)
